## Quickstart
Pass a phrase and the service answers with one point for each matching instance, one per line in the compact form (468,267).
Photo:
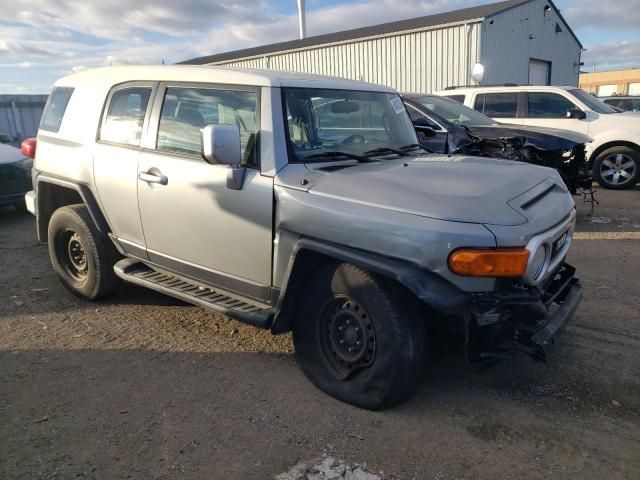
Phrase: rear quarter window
(55,108)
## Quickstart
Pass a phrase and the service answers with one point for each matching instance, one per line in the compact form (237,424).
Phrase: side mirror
(423,126)
(576,113)
(221,146)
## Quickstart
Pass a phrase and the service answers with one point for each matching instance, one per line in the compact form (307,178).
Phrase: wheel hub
(617,169)
(348,338)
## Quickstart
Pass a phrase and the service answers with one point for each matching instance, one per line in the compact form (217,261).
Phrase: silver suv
(304,203)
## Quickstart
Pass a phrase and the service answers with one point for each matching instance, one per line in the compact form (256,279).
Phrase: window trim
(48,104)
(150,133)
(526,103)
(147,114)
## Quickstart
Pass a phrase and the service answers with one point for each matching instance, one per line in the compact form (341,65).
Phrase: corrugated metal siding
(20,115)
(421,61)
(506,46)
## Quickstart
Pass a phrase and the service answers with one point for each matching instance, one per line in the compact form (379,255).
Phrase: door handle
(153,178)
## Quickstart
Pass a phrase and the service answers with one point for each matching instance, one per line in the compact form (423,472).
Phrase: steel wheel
(72,255)
(618,169)
(347,337)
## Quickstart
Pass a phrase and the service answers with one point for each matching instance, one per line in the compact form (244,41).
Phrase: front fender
(309,253)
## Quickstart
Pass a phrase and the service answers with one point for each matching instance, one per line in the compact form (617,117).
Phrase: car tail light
(505,262)
(28,147)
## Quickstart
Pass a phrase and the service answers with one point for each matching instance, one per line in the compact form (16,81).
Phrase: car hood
(542,138)
(9,154)
(455,188)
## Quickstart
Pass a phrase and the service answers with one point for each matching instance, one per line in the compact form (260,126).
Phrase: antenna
(301,19)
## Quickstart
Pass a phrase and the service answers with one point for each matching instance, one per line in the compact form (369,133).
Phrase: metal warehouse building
(517,41)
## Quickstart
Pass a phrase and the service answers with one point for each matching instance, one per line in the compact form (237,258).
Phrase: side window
(500,105)
(55,108)
(415,115)
(548,105)
(186,110)
(125,116)
(457,98)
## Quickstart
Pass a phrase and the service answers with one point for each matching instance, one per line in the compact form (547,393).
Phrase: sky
(42,40)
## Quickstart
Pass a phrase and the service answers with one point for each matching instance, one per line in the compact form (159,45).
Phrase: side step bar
(138,273)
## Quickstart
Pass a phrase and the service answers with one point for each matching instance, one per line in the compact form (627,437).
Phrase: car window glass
(457,98)
(501,105)
(125,116)
(548,105)
(55,108)
(186,110)
(415,114)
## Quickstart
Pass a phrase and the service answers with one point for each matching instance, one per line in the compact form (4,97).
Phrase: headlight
(25,164)
(538,262)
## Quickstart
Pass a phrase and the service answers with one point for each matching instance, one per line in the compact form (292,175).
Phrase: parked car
(15,177)
(614,153)
(624,103)
(446,126)
(334,224)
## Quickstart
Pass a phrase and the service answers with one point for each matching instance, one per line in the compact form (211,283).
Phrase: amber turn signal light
(505,262)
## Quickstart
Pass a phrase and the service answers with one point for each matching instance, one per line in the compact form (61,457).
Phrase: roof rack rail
(488,85)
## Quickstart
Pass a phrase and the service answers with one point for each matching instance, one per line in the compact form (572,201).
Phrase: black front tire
(344,303)
(617,168)
(81,255)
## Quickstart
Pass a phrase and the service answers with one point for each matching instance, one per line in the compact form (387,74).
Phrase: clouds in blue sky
(41,40)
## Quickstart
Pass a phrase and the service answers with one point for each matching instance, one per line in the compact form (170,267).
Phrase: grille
(14,180)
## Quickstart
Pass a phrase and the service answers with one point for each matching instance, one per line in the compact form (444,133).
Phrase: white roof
(207,74)
(517,88)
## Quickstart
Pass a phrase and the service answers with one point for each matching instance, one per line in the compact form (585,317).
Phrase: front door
(193,223)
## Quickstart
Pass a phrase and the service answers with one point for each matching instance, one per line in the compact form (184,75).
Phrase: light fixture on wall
(477,72)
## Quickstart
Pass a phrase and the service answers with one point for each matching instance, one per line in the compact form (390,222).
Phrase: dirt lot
(143,386)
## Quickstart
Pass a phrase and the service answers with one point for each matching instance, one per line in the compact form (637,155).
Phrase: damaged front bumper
(521,318)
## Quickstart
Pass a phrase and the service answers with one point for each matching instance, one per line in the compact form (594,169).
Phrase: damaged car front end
(446,126)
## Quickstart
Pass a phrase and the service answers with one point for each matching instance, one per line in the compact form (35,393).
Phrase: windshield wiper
(413,146)
(336,154)
(377,151)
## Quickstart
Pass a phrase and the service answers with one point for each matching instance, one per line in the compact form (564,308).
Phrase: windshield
(592,102)
(322,122)
(454,112)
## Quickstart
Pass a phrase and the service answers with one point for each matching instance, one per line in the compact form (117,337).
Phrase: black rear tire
(617,168)
(344,305)
(81,255)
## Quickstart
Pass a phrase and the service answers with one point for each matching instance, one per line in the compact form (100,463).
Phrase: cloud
(612,55)
(22,49)
(621,14)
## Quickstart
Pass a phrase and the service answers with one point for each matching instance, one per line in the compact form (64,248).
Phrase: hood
(454,188)
(542,138)
(9,154)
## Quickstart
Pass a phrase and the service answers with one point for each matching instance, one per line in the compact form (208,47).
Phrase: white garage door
(606,90)
(539,71)
(634,89)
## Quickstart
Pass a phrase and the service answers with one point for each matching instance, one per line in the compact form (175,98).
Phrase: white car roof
(518,88)
(206,74)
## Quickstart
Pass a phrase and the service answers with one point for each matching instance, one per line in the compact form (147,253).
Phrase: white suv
(614,153)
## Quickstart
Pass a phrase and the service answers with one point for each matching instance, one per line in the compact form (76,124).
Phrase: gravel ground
(143,386)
